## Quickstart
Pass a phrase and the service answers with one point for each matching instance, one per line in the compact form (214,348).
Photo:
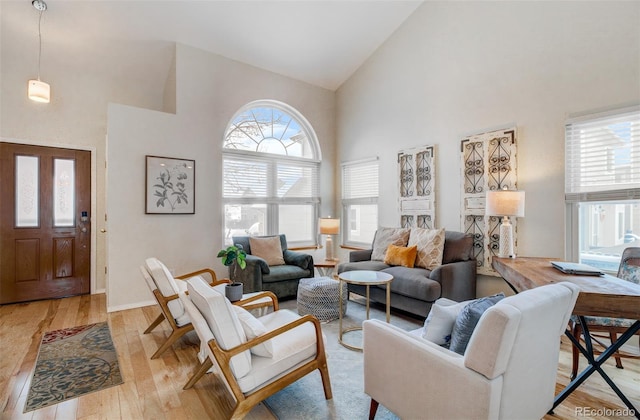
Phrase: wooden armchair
(256,356)
(165,289)
(608,328)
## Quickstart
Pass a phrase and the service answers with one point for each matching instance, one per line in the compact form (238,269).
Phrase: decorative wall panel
(416,171)
(488,163)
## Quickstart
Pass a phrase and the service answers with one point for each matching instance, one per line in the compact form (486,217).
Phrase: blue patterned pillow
(468,319)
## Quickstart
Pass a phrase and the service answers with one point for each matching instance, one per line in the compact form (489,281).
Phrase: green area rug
(304,399)
(73,362)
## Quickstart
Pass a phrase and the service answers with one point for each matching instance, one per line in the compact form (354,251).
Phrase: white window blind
(274,178)
(360,181)
(602,157)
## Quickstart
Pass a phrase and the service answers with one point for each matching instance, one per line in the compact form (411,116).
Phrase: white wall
(459,68)
(77,114)
(210,89)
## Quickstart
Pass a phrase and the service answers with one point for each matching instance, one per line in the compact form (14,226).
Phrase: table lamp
(507,204)
(329,227)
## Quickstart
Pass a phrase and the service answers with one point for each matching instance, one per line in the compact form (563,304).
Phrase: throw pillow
(430,243)
(468,319)
(400,255)
(440,321)
(386,237)
(269,249)
(254,328)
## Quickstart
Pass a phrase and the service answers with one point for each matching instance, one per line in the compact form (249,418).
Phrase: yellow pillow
(401,255)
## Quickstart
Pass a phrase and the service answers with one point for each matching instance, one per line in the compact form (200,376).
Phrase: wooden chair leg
(175,335)
(373,408)
(204,367)
(577,330)
(326,382)
(614,337)
(155,323)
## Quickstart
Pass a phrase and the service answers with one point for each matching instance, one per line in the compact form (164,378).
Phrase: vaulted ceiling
(319,42)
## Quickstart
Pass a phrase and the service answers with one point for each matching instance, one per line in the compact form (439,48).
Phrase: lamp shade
(505,203)
(39,91)
(329,226)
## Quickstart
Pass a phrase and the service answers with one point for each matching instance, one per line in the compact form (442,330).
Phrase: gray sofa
(280,279)
(415,289)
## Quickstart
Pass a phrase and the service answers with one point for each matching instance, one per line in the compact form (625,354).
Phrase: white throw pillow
(254,328)
(440,321)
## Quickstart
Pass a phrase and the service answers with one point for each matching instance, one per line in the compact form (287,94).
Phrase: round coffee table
(364,278)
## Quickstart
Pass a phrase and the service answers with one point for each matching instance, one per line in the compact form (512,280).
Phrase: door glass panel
(27,188)
(64,192)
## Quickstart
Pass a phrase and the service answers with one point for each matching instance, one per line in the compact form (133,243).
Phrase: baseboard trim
(130,306)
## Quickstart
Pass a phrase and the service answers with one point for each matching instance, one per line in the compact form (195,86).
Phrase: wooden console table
(606,296)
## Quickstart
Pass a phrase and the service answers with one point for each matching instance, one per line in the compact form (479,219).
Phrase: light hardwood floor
(152,389)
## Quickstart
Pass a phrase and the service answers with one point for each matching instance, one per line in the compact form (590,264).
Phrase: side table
(363,278)
(325,268)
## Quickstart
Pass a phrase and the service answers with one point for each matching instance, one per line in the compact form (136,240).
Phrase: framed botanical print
(170,185)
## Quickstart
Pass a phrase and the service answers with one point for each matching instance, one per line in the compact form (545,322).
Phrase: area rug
(304,399)
(73,362)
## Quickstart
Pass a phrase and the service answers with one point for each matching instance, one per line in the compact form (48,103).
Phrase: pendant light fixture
(38,90)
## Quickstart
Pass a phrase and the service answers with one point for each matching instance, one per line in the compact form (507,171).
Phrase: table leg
(367,301)
(388,302)
(595,364)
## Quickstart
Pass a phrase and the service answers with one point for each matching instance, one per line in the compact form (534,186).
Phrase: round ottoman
(320,296)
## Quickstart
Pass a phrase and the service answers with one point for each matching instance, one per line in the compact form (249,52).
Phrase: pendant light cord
(39,42)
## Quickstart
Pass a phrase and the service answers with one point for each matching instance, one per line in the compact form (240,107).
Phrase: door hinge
(105,270)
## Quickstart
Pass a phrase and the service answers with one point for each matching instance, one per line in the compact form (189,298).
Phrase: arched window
(271,162)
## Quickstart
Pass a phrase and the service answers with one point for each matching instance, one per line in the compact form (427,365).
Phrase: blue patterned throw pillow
(468,319)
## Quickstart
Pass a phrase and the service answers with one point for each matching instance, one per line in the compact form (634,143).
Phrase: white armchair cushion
(441,319)
(168,286)
(223,322)
(254,328)
(290,349)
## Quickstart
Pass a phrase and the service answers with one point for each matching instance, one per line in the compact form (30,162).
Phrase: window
(602,187)
(360,202)
(271,163)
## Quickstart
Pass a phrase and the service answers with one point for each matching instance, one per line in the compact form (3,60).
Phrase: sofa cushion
(254,328)
(362,265)
(414,283)
(285,272)
(401,255)
(385,237)
(468,319)
(430,243)
(458,246)
(269,249)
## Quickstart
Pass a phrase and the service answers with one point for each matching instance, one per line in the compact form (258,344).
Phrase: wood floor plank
(153,388)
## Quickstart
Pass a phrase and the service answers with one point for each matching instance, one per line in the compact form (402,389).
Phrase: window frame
(577,194)
(348,202)
(272,200)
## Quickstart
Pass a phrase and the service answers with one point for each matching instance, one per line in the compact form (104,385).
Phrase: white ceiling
(319,42)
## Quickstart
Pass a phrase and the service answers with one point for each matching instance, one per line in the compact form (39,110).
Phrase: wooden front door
(45,228)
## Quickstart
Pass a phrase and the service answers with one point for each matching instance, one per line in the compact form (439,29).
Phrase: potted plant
(233,256)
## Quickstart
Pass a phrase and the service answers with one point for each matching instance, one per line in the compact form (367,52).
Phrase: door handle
(103,230)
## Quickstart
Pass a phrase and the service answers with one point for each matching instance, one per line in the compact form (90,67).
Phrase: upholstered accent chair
(281,279)
(165,288)
(257,357)
(608,328)
(508,370)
